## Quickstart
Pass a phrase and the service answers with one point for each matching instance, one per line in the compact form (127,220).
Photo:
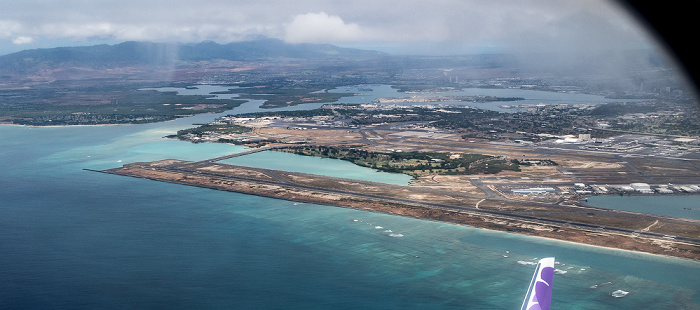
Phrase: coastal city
(394,128)
(512,166)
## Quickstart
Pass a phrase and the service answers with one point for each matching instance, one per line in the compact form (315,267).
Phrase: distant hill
(146,53)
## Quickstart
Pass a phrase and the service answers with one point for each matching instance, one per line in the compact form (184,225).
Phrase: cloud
(75,30)
(9,27)
(321,27)
(440,26)
(22,40)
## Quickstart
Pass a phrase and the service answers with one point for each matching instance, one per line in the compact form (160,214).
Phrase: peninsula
(465,205)
(526,172)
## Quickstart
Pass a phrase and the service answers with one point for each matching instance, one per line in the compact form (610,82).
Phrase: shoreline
(59,126)
(265,186)
(658,255)
(114,124)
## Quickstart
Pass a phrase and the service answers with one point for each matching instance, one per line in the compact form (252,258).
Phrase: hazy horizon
(446,27)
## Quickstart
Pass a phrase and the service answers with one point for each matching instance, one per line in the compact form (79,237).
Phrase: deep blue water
(75,239)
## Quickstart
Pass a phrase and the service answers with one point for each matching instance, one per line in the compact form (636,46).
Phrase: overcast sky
(397,26)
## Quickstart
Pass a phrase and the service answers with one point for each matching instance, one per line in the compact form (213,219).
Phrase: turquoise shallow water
(75,239)
(323,166)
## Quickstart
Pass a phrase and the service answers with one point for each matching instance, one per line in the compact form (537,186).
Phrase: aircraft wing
(539,294)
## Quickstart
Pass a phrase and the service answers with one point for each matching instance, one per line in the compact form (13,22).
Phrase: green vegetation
(89,104)
(283,96)
(681,127)
(622,108)
(295,113)
(656,117)
(535,162)
(412,163)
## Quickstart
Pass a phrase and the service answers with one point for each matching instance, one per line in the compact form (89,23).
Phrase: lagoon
(683,206)
(316,165)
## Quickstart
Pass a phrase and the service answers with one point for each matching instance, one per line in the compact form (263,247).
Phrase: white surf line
(477,204)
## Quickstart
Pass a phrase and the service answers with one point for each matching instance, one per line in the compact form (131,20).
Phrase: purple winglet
(539,295)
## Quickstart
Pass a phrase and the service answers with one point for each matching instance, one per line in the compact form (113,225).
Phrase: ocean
(76,239)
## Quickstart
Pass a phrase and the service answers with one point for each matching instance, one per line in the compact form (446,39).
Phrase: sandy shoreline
(59,126)
(607,240)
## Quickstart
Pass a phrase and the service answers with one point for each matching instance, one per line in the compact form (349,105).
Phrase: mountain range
(148,53)
(143,60)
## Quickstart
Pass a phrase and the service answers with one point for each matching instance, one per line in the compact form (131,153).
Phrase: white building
(687,189)
(533,190)
(626,188)
(641,187)
(663,190)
